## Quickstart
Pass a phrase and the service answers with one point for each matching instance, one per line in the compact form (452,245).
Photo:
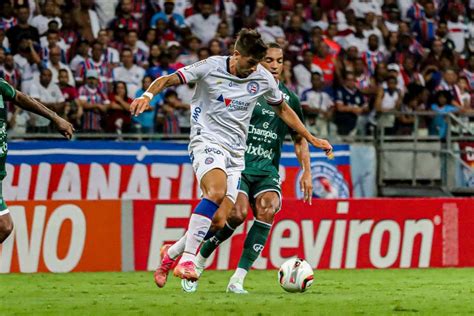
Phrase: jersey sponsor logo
(259,151)
(262,132)
(268,112)
(209,160)
(196,64)
(328,182)
(197,111)
(233,104)
(213,150)
(253,87)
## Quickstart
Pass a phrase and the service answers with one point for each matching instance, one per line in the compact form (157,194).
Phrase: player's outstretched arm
(29,104)
(302,153)
(141,104)
(286,113)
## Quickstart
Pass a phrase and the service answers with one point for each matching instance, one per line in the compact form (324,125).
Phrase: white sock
(197,230)
(177,248)
(200,261)
(240,274)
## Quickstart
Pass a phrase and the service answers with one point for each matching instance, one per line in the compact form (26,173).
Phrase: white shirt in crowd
(132,77)
(303,77)
(204,29)
(362,7)
(55,73)
(317,100)
(270,33)
(105,10)
(458,33)
(222,104)
(179,5)
(41,23)
(49,94)
(29,72)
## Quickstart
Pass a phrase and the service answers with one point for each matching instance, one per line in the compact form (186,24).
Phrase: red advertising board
(365,233)
(63,236)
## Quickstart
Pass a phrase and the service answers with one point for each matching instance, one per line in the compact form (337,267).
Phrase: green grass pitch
(335,292)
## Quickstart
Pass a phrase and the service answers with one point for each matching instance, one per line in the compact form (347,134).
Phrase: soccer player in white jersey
(227,89)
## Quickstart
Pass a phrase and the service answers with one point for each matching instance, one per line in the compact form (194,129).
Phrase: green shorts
(3,205)
(254,185)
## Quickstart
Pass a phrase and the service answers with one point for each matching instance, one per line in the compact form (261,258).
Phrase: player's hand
(306,185)
(324,145)
(64,127)
(140,105)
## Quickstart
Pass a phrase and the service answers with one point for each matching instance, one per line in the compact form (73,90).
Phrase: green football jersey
(7,93)
(266,135)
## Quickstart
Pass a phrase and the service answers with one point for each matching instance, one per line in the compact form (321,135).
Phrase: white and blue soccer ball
(295,275)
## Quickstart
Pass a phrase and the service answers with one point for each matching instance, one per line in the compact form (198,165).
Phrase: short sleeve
(194,72)
(7,90)
(273,96)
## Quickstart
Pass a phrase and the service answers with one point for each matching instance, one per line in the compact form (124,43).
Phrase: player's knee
(266,209)
(216,195)
(218,222)
(237,216)
(6,228)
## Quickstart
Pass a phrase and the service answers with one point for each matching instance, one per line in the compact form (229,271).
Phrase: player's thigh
(209,164)
(239,212)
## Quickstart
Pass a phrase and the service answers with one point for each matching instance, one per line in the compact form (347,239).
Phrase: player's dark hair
(274,45)
(249,43)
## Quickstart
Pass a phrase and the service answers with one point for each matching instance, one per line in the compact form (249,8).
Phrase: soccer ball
(295,275)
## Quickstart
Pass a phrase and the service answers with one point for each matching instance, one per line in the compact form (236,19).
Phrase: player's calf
(6,226)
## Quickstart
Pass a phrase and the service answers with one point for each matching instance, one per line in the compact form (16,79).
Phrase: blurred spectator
(350,105)
(326,62)
(468,71)
(124,21)
(465,92)
(129,73)
(118,114)
(388,100)
(54,64)
(95,103)
(7,19)
(50,41)
(174,20)
(317,107)
(425,29)
(189,56)
(164,67)
(48,13)
(48,93)
(8,70)
(171,114)
(203,53)
(139,50)
(145,122)
(442,106)
(215,47)
(270,28)
(81,56)
(174,50)
(28,62)
(304,70)
(96,63)
(457,30)
(87,20)
(404,121)
(373,55)
(295,34)
(72,104)
(19,121)
(105,11)
(449,83)
(22,30)
(204,24)
(110,54)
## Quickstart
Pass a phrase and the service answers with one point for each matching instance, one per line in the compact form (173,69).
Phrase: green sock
(254,243)
(212,243)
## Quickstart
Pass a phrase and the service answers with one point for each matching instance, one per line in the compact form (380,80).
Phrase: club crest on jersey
(209,160)
(253,87)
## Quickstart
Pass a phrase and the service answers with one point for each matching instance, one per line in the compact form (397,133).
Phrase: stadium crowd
(348,61)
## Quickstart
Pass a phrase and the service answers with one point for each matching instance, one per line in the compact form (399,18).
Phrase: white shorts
(206,155)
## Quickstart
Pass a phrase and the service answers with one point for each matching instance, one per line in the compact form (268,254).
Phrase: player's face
(273,62)
(245,65)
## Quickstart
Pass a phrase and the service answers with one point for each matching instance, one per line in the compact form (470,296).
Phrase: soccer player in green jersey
(260,181)
(8,93)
